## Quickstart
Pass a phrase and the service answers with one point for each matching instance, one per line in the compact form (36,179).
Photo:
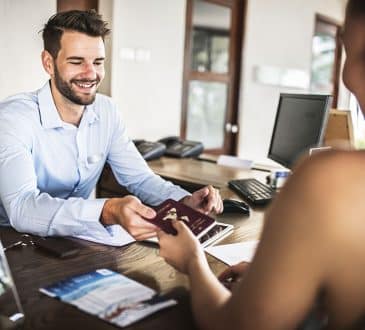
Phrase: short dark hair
(355,9)
(88,22)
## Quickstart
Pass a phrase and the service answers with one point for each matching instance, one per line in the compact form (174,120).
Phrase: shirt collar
(89,114)
(50,117)
(48,111)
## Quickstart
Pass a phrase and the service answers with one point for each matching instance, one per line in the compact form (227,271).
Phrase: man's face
(79,67)
(354,68)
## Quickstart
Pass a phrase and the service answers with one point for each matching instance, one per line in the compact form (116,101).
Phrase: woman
(312,246)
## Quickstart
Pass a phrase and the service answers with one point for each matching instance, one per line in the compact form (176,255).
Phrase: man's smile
(85,86)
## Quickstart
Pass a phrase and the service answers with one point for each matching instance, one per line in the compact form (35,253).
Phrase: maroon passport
(198,223)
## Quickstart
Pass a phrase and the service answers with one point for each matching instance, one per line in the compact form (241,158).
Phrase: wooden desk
(32,269)
(199,172)
(188,173)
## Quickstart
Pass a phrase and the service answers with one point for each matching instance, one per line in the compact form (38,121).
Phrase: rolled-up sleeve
(132,171)
(32,211)
(48,168)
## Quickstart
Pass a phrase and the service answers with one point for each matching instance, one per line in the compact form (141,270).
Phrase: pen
(13,245)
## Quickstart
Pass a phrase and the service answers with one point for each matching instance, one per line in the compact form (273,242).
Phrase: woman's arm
(185,254)
(290,267)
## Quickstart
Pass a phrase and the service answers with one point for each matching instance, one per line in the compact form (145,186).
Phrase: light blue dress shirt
(48,168)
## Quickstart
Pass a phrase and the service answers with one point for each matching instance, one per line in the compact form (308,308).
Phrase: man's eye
(98,63)
(76,63)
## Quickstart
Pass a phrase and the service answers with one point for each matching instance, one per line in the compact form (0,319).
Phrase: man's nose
(89,70)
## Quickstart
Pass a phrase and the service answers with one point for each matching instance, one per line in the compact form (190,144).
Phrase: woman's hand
(234,274)
(182,251)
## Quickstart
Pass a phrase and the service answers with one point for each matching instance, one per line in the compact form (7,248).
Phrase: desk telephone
(171,146)
(150,150)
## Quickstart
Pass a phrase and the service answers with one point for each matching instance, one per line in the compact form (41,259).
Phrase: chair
(339,129)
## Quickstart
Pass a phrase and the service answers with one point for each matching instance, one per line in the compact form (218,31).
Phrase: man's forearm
(208,297)
(47,216)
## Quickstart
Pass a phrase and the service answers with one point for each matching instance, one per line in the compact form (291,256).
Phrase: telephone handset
(169,140)
(171,146)
(175,147)
(150,150)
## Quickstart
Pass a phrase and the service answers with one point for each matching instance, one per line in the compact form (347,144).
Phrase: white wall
(21,44)
(278,33)
(149,92)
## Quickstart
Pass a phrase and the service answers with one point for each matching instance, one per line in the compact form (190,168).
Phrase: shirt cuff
(179,194)
(113,235)
(93,230)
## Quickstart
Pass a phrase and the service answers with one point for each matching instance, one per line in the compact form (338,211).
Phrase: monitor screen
(299,125)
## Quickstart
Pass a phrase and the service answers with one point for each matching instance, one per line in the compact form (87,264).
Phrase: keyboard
(253,190)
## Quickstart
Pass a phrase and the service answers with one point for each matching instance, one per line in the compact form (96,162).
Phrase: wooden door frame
(65,5)
(238,11)
(338,53)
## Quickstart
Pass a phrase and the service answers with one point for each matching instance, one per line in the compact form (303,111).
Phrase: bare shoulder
(333,164)
(309,230)
(328,191)
(330,175)
(324,198)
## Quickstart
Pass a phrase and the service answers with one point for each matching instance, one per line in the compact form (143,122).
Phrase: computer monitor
(300,123)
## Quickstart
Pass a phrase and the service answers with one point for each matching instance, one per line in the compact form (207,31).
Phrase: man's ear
(48,62)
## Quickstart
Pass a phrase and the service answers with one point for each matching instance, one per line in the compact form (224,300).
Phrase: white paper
(267,164)
(234,161)
(232,254)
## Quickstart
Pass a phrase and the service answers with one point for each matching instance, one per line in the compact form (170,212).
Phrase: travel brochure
(110,296)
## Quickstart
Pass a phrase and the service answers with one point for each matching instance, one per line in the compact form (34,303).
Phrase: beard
(65,88)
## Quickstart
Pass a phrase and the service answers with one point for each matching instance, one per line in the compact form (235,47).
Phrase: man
(312,246)
(54,143)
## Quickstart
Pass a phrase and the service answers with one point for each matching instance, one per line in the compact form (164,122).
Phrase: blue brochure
(109,295)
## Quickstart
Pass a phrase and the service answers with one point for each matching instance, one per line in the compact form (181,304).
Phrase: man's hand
(182,251)
(129,213)
(205,200)
(232,275)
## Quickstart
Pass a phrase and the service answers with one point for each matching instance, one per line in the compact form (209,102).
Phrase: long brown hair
(355,9)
